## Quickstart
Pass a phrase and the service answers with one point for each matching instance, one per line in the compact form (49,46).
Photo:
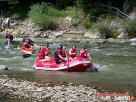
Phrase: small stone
(3,67)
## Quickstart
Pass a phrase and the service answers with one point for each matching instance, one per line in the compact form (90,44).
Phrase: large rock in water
(3,67)
(123,35)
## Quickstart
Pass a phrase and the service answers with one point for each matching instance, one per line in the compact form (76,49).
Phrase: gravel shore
(65,92)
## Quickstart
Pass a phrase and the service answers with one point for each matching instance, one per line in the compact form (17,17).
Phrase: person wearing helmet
(58,55)
(84,53)
(28,40)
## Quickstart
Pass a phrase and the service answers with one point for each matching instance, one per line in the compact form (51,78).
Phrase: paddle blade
(26,55)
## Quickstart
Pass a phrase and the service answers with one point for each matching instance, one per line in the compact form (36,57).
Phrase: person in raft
(58,55)
(73,52)
(64,52)
(9,38)
(46,51)
(41,53)
(84,53)
(30,41)
(27,45)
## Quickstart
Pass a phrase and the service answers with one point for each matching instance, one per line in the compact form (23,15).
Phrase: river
(116,63)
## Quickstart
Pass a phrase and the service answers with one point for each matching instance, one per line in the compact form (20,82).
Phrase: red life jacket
(41,54)
(84,54)
(57,57)
(27,45)
(46,50)
(73,51)
(8,36)
(63,53)
(30,41)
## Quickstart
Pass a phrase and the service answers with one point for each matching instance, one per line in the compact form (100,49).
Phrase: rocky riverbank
(47,92)
(23,28)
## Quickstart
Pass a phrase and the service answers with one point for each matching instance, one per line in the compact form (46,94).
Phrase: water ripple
(100,67)
(16,57)
(5,59)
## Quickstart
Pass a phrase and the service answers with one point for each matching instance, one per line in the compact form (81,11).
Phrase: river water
(116,63)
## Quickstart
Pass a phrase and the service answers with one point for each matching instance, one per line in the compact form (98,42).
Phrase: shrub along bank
(48,17)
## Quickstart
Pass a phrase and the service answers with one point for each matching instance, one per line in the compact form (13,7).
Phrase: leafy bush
(104,29)
(115,33)
(130,27)
(44,15)
(87,22)
(76,14)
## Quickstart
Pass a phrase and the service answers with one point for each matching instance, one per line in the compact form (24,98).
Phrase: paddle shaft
(67,61)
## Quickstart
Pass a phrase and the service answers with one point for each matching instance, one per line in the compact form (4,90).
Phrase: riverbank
(23,28)
(47,92)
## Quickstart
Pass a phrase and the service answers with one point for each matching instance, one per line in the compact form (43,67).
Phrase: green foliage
(73,12)
(115,33)
(76,14)
(10,1)
(90,6)
(130,27)
(104,29)
(45,16)
(87,22)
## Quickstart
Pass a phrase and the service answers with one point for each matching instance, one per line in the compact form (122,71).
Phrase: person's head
(47,45)
(64,48)
(60,47)
(25,43)
(74,47)
(84,47)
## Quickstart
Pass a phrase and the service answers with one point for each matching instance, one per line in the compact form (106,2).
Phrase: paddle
(67,56)
(26,55)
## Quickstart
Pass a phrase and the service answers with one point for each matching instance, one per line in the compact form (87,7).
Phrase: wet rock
(7,22)
(123,35)
(105,41)
(3,67)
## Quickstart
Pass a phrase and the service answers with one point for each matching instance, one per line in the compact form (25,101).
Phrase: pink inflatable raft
(72,65)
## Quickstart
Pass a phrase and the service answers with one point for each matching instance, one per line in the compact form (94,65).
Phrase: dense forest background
(88,14)
(86,5)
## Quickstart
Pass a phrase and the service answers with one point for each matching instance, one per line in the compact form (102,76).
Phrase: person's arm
(89,57)
(70,53)
(62,57)
(49,51)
